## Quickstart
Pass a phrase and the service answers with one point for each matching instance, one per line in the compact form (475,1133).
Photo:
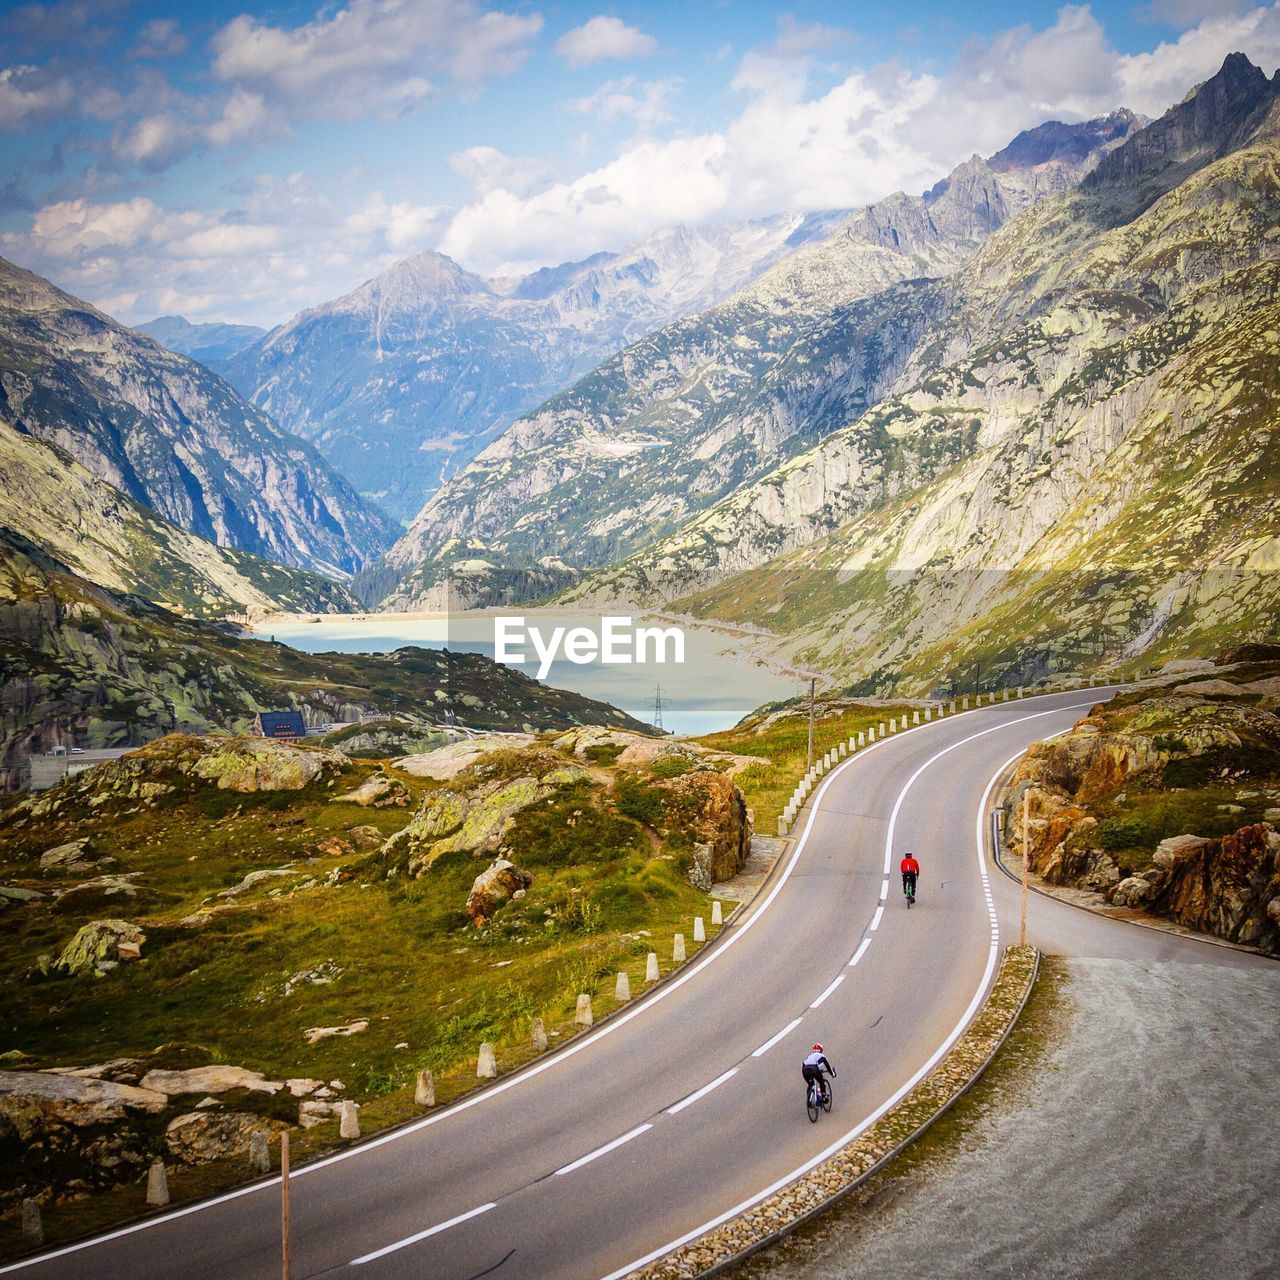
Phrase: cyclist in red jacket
(910,870)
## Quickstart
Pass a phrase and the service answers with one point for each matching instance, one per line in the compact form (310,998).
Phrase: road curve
(689,1105)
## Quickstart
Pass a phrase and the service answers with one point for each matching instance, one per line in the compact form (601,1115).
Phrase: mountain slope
(667,427)
(207,343)
(1078,461)
(405,378)
(172,435)
(54,503)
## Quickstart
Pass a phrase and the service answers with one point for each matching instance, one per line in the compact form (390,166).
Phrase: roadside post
(1026,863)
(285,1267)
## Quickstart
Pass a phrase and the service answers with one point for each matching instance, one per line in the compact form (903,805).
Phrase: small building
(49,769)
(282,726)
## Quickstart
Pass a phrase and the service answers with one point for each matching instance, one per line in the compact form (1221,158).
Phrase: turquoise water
(711,689)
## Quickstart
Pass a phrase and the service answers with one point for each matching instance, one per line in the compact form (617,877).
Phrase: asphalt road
(690,1105)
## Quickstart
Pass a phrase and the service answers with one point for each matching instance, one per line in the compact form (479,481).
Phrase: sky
(238,163)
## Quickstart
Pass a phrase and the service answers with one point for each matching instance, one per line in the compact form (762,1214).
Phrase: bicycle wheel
(826,1097)
(811,1101)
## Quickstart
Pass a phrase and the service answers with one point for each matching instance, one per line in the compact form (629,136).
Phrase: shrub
(672,766)
(639,800)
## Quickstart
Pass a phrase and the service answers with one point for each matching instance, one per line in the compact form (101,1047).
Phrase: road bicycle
(816,1101)
(909,892)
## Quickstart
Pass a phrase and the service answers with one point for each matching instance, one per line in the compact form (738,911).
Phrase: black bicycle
(909,892)
(817,1098)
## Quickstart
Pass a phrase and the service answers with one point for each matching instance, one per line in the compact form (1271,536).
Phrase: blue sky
(242,163)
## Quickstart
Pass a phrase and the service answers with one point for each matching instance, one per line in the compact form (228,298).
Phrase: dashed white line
(701,1093)
(884,891)
(604,1151)
(817,1004)
(772,1040)
(861,951)
(421,1235)
(875,919)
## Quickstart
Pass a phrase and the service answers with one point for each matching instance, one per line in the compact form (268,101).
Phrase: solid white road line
(817,1004)
(604,1151)
(938,1054)
(875,919)
(861,951)
(701,1093)
(421,1235)
(772,1040)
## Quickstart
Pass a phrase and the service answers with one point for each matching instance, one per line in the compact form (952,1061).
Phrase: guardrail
(900,724)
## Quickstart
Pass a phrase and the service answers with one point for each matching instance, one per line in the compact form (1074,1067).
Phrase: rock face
(259,764)
(211,1079)
(1100,796)
(499,884)
(171,435)
(448,761)
(75,1100)
(712,810)
(99,946)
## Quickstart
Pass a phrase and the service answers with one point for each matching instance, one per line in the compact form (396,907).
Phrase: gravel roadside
(1142,1143)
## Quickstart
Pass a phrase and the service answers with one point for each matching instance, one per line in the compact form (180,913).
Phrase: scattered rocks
(253,880)
(493,887)
(323,974)
(313,1035)
(96,947)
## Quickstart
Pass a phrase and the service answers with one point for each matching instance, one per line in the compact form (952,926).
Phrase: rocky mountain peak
(1210,121)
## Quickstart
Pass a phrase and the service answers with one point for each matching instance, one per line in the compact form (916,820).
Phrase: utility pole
(977,678)
(813,683)
(657,709)
(285,1266)
(1026,863)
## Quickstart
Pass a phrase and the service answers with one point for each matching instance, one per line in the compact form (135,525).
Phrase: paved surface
(1142,1146)
(690,1104)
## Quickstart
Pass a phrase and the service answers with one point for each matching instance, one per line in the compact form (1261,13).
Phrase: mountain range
(404,379)
(208,343)
(688,414)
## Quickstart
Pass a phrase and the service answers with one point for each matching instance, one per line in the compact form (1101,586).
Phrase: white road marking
(604,1151)
(701,1093)
(875,919)
(817,1004)
(938,1054)
(884,891)
(772,1040)
(422,1235)
(563,1055)
(861,951)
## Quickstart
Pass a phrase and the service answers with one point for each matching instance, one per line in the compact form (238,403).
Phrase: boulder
(73,858)
(499,884)
(199,1136)
(95,947)
(1133,891)
(261,764)
(1170,851)
(709,807)
(85,896)
(212,1079)
(16,893)
(253,880)
(377,792)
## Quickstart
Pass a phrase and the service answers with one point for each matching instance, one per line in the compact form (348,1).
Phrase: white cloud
(31,93)
(399,227)
(797,39)
(370,54)
(488,169)
(647,102)
(160,38)
(602,38)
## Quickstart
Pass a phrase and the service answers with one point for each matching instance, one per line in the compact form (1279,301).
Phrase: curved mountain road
(689,1105)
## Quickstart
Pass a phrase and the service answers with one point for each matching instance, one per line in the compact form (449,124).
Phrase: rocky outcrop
(258,764)
(381,791)
(73,858)
(709,808)
(1096,795)
(448,761)
(498,884)
(215,1078)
